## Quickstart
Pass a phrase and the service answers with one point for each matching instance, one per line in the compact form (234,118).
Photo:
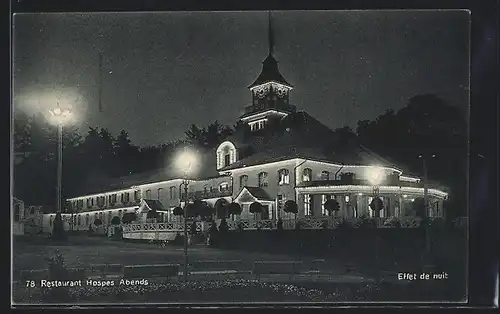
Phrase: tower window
(227,160)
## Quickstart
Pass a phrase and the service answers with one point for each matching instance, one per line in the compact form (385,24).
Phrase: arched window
(148,194)
(79,220)
(283,177)
(173,192)
(243,181)
(87,218)
(262,178)
(226,154)
(160,194)
(307,175)
(325,175)
(137,195)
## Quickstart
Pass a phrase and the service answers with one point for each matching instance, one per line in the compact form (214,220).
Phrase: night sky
(164,71)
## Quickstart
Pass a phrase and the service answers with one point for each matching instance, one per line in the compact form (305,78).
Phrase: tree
(255,208)
(129,218)
(376,205)
(115,220)
(291,207)
(332,205)
(178,211)
(234,208)
(152,214)
(58,232)
(221,207)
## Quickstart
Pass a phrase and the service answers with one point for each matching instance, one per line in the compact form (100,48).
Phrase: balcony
(358,182)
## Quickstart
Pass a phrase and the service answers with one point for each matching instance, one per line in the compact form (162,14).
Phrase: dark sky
(165,71)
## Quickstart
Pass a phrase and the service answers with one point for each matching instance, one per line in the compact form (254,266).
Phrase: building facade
(276,154)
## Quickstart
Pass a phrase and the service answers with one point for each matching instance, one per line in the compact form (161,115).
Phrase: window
(100,201)
(16,212)
(243,181)
(126,197)
(79,204)
(283,177)
(79,220)
(160,194)
(109,217)
(325,175)
(112,199)
(87,218)
(148,194)
(263,180)
(173,192)
(205,189)
(324,198)
(224,186)
(120,213)
(226,154)
(227,159)
(306,175)
(137,195)
(88,203)
(307,205)
(91,201)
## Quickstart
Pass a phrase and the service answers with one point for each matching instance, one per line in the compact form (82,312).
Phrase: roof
(270,73)
(154,204)
(207,169)
(258,193)
(302,136)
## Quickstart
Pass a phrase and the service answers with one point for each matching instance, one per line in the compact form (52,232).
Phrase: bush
(57,271)
(392,222)
(58,232)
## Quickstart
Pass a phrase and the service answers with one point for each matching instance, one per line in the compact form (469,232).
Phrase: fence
(329,222)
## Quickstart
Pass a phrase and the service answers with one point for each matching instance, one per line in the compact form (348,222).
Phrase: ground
(82,251)
(338,282)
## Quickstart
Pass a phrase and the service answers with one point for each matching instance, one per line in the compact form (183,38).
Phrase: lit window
(160,193)
(224,187)
(307,175)
(263,182)
(243,181)
(173,192)
(307,205)
(283,177)
(325,175)
(347,198)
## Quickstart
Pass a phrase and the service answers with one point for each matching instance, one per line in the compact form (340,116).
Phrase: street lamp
(375,176)
(60,117)
(186,162)
(426,201)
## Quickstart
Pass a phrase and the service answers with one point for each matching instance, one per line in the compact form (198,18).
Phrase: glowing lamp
(187,161)
(59,115)
(375,175)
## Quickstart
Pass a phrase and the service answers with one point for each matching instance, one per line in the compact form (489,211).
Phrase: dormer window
(226,154)
(224,186)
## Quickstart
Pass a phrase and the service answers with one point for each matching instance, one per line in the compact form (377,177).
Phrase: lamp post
(186,162)
(426,201)
(60,117)
(185,182)
(375,177)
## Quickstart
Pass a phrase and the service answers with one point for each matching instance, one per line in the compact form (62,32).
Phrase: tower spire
(271,36)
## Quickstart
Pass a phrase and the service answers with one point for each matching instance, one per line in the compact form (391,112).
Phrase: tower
(270,92)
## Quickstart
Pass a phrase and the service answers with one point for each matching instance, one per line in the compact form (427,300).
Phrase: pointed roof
(253,193)
(153,204)
(270,73)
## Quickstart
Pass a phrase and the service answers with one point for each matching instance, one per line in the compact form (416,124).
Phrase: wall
(272,177)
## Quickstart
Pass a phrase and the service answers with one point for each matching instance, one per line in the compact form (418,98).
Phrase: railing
(357,182)
(163,226)
(329,222)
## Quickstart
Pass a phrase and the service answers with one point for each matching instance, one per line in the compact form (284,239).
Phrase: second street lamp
(60,117)
(186,163)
